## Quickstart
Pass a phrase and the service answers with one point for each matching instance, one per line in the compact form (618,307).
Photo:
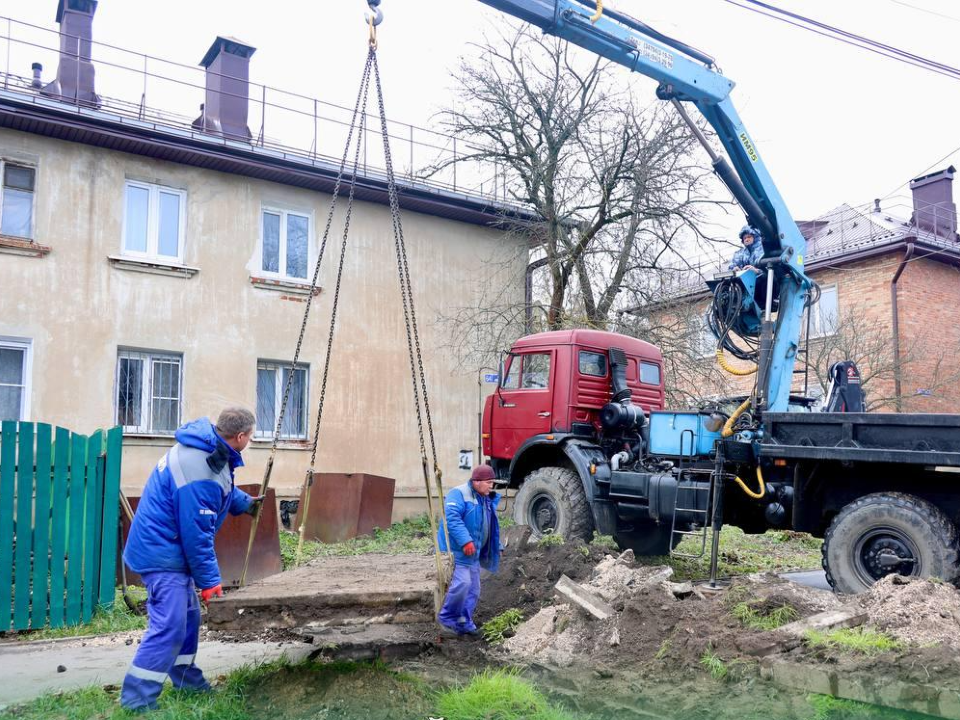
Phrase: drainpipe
(897,389)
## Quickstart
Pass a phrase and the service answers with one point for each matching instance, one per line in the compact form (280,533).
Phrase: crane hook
(375,16)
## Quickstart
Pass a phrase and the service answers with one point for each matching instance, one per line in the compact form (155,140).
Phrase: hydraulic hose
(722,362)
(728,425)
(750,493)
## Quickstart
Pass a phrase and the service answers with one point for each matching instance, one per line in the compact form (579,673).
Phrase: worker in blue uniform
(474,531)
(184,503)
(749,256)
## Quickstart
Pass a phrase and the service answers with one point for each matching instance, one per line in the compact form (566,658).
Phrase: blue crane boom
(686,75)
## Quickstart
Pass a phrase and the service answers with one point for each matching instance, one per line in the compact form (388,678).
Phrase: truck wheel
(552,501)
(885,533)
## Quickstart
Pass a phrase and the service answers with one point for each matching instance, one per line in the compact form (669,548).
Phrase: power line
(844,36)
(925,10)
(922,172)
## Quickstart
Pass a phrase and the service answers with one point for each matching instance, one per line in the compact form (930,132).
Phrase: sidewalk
(29,669)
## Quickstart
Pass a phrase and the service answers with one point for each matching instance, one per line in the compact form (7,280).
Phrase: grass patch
(742,554)
(412,535)
(498,695)
(758,615)
(606,543)
(236,698)
(550,540)
(715,665)
(663,650)
(119,618)
(827,707)
(288,549)
(861,640)
(499,628)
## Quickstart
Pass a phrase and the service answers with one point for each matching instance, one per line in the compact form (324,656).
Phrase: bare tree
(614,186)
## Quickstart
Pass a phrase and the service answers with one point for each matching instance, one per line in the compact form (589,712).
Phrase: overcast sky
(833,123)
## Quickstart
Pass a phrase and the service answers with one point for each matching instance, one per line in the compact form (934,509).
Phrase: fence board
(91,552)
(8,466)
(76,496)
(111,517)
(94,445)
(21,569)
(41,529)
(58,541)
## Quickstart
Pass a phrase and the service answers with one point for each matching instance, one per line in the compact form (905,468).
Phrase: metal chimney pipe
(227,100)
(75,73)
(36,83)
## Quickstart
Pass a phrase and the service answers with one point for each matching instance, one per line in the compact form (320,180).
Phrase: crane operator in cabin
(749,256)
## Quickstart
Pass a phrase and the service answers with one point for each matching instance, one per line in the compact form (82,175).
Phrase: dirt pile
(528,573)
(656,619)
(914,610)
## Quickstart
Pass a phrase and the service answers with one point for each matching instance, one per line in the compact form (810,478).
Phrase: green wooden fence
(59,514)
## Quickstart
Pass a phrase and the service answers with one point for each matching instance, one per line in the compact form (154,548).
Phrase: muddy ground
(650,658)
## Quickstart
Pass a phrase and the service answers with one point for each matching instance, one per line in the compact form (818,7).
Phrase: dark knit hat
(483,472)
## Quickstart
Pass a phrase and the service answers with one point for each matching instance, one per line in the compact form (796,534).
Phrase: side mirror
(501,369)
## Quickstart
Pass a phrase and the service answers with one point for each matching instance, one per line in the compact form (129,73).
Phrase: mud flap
(604,517)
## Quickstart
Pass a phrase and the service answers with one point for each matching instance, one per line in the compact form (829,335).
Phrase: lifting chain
(409,315)
(413,342)
(268,470)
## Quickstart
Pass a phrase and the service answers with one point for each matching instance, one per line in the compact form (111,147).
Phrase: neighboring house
(155,270)
(890,299)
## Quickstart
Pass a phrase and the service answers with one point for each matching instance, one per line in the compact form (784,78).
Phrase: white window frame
(16,343)
(153,223)
(146,389)
(33,201)
(817,321)
(281,274)
(278,366)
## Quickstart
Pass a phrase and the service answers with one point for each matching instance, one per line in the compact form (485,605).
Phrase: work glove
(255,505)
(469,549)
(215,591)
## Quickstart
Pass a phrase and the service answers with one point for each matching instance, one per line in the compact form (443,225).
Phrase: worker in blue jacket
(474,530)
(184,503)
(749,256)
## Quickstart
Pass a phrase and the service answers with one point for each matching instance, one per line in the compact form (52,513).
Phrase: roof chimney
(933,206)
(75,74)
(228,84)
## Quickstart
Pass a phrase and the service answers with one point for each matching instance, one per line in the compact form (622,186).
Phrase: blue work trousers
(461,600)
(169,646)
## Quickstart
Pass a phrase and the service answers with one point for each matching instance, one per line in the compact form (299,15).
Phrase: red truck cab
(557,382)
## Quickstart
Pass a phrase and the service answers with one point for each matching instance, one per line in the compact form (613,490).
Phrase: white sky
(833,123)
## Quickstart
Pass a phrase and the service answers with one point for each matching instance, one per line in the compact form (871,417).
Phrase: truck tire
(886,533)
(552,501)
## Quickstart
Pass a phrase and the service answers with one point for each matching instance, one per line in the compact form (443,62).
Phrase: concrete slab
(583,598)
(333,591)
(810,578)
(29,670)
(879,690)
(372,642)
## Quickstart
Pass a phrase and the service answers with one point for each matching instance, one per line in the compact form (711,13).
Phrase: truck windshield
(530,371)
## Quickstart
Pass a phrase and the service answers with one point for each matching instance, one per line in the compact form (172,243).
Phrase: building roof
(842,235)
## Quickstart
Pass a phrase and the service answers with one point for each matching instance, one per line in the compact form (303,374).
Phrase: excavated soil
(527,575)
(655,620)
(918,612)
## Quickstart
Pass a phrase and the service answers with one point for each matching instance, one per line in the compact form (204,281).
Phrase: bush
(499,628)
(550,540)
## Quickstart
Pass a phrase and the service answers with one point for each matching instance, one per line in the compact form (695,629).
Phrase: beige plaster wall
(78,308)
